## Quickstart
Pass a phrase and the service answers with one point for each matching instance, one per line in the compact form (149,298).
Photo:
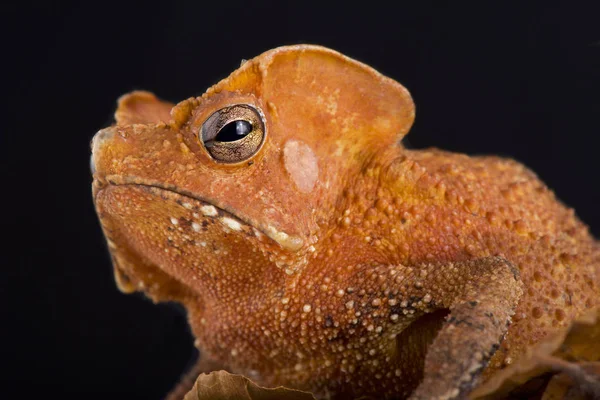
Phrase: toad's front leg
(481,295)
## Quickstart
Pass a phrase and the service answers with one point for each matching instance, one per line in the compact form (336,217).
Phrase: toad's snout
(100,138)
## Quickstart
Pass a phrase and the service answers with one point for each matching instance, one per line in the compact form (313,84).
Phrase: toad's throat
(209,208)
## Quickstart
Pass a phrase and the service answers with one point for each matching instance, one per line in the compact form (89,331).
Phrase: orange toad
(312,250)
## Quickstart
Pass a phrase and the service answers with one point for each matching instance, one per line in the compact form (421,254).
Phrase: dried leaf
(221,385)
(580,381)
(578,342)
(558,389)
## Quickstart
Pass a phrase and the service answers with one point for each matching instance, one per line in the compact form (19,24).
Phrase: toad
(312,250)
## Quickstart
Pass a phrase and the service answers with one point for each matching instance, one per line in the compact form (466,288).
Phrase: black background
(520,80)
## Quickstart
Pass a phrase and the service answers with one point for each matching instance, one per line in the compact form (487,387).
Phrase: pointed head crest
(325,96)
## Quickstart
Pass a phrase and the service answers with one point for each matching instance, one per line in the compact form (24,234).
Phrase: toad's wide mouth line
(210,209)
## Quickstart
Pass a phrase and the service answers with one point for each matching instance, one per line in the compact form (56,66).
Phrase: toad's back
(515,215)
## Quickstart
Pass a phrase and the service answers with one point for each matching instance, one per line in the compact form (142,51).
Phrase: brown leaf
(579,381)
(221,385)
(578,342)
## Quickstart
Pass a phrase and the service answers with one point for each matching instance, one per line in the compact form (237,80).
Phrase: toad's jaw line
(210,208)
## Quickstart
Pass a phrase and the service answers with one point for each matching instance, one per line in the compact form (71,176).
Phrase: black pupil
(233,131)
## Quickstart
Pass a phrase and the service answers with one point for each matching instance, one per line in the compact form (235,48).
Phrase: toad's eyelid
(209,129)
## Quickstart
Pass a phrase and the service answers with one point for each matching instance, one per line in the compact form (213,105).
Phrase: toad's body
(327,257)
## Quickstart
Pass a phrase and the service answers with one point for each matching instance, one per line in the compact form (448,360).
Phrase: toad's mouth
(200,206)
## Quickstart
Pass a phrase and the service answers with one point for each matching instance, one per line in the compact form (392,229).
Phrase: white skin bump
(301,163)
(210,211)
(231,223)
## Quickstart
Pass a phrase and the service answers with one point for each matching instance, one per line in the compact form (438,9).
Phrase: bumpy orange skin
(308,265)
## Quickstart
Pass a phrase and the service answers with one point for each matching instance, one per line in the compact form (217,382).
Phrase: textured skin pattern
(335,260)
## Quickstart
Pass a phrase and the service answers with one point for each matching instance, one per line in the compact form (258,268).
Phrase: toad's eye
(234,133)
